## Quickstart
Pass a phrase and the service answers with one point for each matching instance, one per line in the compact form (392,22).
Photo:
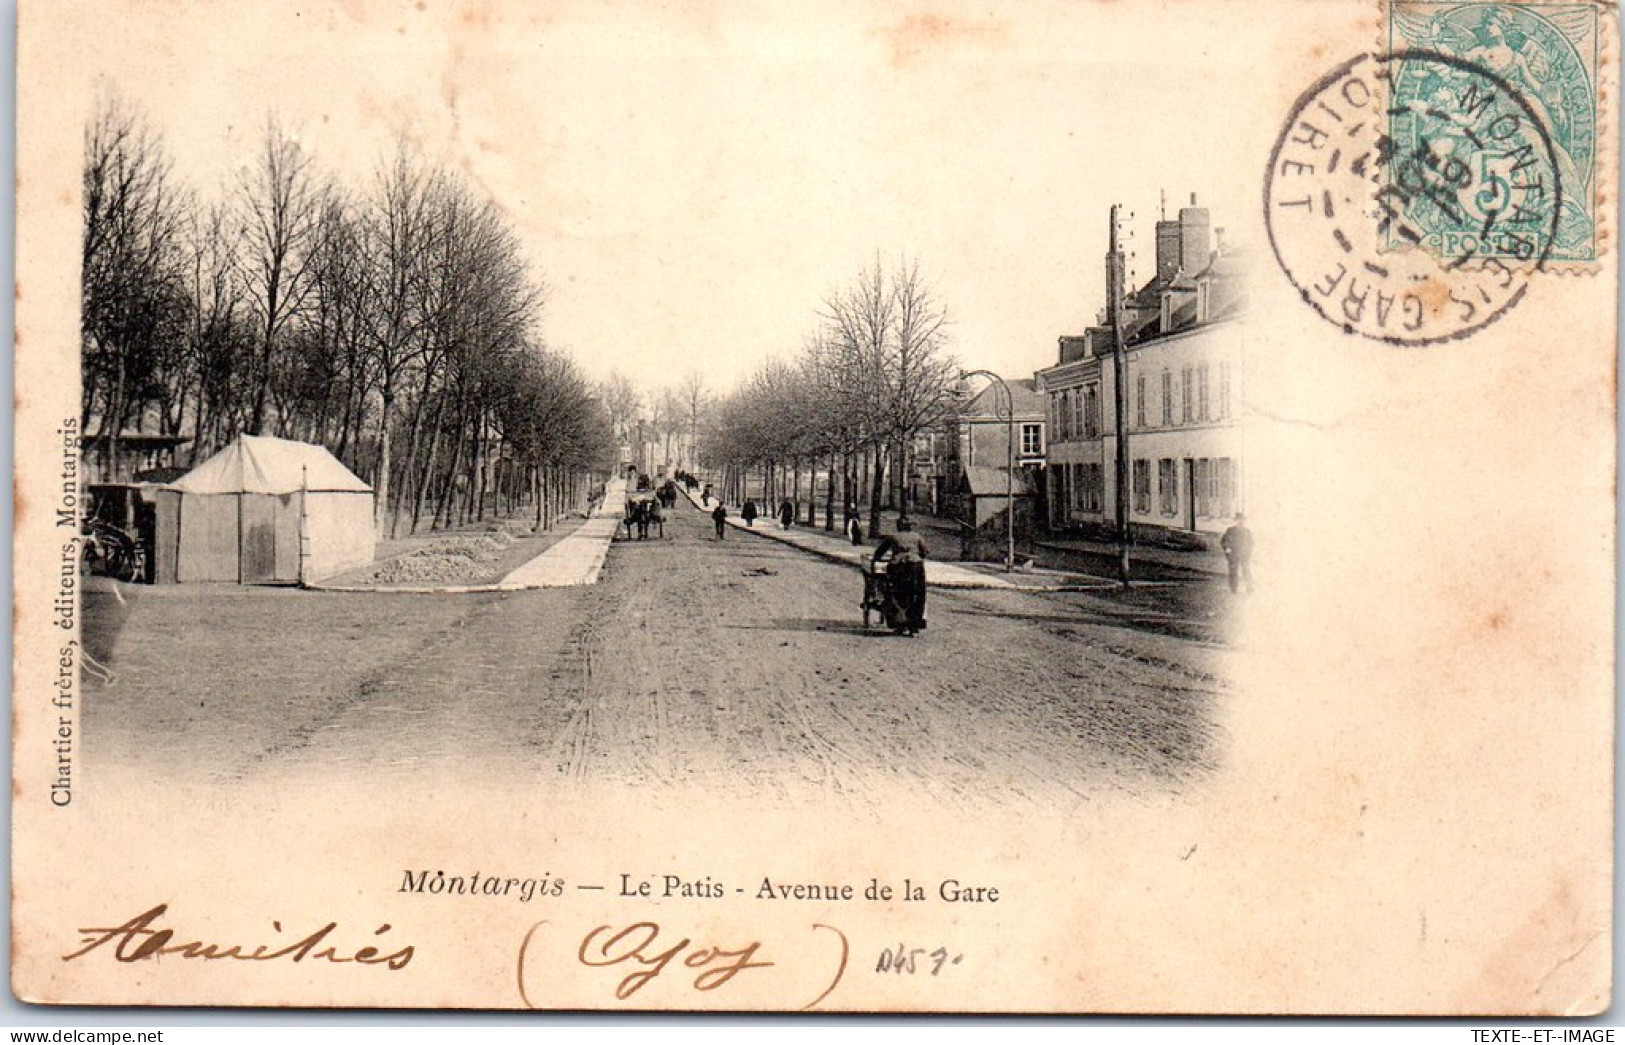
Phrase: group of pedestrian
(896,580)
(749,512)
(786,513)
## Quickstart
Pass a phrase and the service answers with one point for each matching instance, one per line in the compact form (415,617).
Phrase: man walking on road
(1237,543)
(718,515)
(748,513)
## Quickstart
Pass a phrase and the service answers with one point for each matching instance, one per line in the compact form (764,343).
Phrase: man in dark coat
(1237,543)
(718,514)
(748,513)
(787,514)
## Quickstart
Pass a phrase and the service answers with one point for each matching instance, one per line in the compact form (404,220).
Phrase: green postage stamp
(1544,59)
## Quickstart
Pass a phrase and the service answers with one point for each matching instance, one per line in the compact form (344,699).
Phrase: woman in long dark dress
(905,577)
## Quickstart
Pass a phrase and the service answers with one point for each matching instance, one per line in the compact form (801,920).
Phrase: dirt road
(739,663)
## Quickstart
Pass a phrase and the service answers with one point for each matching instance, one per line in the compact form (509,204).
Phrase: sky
(691,181)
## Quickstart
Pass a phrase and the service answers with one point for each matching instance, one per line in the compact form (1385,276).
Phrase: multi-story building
(975,446)
(1183,336)
(1073,390)
(982,429)
(975,432)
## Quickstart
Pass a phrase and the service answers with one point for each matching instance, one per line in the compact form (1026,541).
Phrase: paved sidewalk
(576,559)
(937,574)
(1153,564)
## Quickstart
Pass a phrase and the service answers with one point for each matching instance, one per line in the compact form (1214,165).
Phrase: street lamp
(1009,467)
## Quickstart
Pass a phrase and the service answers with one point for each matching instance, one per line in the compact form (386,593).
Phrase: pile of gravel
(461,558)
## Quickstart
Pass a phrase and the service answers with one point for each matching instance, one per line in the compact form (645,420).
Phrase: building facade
(975,433)
(1183,332)
(983,430)
(982,433)
(1073,391)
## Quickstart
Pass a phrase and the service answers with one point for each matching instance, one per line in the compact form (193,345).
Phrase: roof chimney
(1167,249)
(1195,250)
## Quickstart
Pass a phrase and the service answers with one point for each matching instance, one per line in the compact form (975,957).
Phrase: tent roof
(261,464)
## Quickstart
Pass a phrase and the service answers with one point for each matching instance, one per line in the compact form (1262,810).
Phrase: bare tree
(692,393)
(670,421)
(396,239)
(623,401)
(279,210)
(479,314)
(918,372)
(869,379)
(133,300)
(321,388)
(860,321)
(352,319)
(216,332)
(556,427)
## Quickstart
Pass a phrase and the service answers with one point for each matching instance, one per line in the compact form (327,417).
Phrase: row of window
(1075,412)
(1188,402)
(1079,487)
(1210,484)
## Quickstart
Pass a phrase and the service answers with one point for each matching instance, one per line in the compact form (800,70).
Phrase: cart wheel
(121,564)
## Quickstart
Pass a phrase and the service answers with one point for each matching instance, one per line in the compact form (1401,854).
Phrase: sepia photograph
(1073,507)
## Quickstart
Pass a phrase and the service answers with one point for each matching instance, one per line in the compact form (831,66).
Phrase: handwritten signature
(141,938)
(641,948)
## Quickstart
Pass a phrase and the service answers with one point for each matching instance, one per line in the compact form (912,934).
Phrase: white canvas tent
(264,511)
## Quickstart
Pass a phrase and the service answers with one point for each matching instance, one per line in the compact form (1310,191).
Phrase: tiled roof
(987,481)
(989,402)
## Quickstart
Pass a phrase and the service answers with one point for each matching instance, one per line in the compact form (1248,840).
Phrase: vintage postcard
(1052,507)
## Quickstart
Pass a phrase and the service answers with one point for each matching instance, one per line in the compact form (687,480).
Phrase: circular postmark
(1411,196)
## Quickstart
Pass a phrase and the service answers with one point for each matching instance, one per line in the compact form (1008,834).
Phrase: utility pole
(1114,303)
